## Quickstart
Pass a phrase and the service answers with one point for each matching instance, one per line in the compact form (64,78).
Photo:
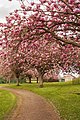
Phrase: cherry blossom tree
(59,19)
(29,74)
(50,76)
(5,72)
(36,74)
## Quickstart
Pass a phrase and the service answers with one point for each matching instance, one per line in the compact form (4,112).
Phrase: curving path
(31,107)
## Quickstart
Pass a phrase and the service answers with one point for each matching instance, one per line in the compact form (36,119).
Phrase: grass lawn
(65,97)
(7,102)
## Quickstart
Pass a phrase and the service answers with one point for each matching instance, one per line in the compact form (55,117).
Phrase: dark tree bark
(29,79)
(37,79)
(40,81)
(17,81)
(9,81)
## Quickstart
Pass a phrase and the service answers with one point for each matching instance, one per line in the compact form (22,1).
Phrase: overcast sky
(6,7)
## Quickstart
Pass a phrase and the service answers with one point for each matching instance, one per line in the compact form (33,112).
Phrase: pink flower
(71,1)
(22,6)
(42,1)
(76,10)
(32,3)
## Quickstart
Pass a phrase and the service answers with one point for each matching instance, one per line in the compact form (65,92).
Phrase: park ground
(64,96)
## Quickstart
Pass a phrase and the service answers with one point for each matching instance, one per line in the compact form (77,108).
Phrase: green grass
(7,102)
(65,97)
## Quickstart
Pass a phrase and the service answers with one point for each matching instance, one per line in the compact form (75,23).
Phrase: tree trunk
(29,79)
(9,81)
(17,81)
(6,81)
(41,81)
(37,79)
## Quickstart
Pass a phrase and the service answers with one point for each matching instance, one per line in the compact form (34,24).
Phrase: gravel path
(31,107)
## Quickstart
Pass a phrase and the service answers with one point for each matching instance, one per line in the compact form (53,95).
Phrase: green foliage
(7,102)
(65,97)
